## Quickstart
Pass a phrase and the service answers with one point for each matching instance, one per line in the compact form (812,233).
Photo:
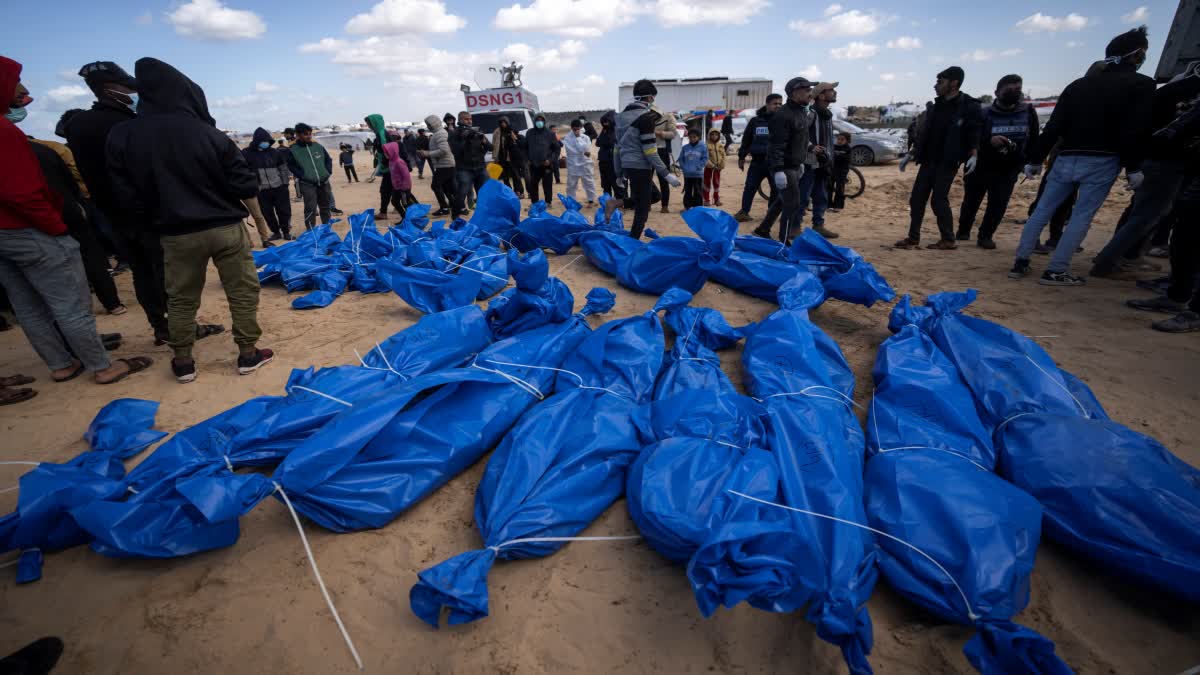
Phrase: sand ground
(593,607)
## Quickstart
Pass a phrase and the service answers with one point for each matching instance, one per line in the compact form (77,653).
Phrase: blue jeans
(467,180)
(46,284)
(1094,176)
(1151,204)
(813,187)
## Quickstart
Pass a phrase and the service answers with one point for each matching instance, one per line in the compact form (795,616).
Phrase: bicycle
(856,184)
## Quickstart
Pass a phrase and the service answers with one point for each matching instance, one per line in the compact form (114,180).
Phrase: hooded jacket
(271,164)
(636,143)
(408,147)
(503,141)
(693,158)
(379,128)
(171,166)
(400,176)
(25,198)
(310,162)
(756,140)
(578,147)
(541,145)
(62,184)
(440,155)
(607,140)
(716,154)
(789,137)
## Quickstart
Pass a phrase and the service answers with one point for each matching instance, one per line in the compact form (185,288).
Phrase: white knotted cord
(805,392)
(538,540)
(573,261)
(527,386)
(560,370)
(1059,383)
(970,612)
(317,573)
(322,394)
(928,447)
(14,463)
(472,269)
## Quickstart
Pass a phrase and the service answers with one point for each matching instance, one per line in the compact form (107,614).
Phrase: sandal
(136,364)
(10,396)
(204,330)
(943,245)
(15,380)
(76,373)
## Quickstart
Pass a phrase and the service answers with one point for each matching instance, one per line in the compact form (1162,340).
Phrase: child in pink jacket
(402,196)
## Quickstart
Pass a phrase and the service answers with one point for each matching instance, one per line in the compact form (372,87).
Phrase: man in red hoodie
(40,265)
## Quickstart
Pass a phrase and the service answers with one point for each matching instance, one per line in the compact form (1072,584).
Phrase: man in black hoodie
(87,133)
(606,142)
(271,165)
(756,141)
(541,148)
(186,180)
(948,138)
(788,152)
(469,146)
(1010,133)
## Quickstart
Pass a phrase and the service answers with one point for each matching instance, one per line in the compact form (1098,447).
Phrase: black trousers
(1185,256)
(144,254)
(350,172)
(997,186)
(541,176)
(401,200)
(641,190)
(555,168)
(385,193)
(512,178)
(444,187)
(663,186)
(317,201)
(95,263)
(276,206)
(693,191)
(608,178)
(932,187)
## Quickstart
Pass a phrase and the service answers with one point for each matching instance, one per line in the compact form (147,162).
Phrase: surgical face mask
(16,115)
(1010,98)
(133,99)
(264,145)
(539,124)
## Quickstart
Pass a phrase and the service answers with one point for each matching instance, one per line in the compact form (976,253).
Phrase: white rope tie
(970,612)
(131,490)
(10,489)
(1059,383)
(322,394)
(1001,425)
(317,573)
(728,444)
(573,261)
(14,463)
(527,386)
(804,392)
(228,464)
(539,540)
(471,269)
(928,447)
(560,370)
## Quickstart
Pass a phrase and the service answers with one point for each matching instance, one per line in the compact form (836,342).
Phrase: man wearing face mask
(541,149)
(271,165)
(87,134)
(1010,132)
(1104,122)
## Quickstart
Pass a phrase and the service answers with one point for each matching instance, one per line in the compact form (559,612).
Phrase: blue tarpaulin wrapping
(1110,494)
(538,298)
(436,279)
(843,272)
(543,229)
(967,539)
(497,211)
(807,559)
(558,469)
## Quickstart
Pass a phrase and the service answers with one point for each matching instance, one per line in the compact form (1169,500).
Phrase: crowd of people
(146,176)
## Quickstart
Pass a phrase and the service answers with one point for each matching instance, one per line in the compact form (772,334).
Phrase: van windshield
(487,122)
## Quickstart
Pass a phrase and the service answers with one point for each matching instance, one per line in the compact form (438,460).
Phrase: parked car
(871,147)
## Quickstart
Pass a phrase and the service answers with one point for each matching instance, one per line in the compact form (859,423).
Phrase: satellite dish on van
(488,75)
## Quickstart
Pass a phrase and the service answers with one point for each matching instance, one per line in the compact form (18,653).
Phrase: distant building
(703,93)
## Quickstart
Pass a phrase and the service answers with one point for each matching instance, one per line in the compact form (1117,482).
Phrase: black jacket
(1104,114)
(469,147)
(61,183)
(270,165)
(540,146)
(727,124)
(1164,112)
(408,148)
(789,137)
(962,131)
(1019,125)
(171,165)
(607,140)
(87,134)
(756,140)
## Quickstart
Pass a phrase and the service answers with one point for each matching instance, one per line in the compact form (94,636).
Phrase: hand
(741,163)
(819,149)
(673,180)
(1032,170)
(545,163)
(780,179)
(622,183)
(904,162)
(999,142)
(970,165)
(1135,180)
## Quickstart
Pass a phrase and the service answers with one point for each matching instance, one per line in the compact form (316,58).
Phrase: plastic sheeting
(558,469)
(1111,494)
(543,229)
(969,538)
(538,298)
(784,560)
(497,212)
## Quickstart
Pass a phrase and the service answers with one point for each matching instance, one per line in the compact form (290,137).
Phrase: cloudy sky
(273,63)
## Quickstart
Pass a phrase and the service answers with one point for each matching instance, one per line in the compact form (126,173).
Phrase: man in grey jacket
(636,158)
(442,160)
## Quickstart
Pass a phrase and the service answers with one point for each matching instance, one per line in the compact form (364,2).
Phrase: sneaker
(664,209)
(760,232)
(1020,269)
(336,212)
(907,244)
(1140,266)
(465,212)
(986,243)
(1158,285)
(742,217)
(185,371)
(825,232)
(1160,304)
(275,237)
(249,364)
(266,243)
(441,212)
(1043,249)
(943,245)
(1184,322)
(118,270)
(963,236)
(1159,252)
(1060,279)
(287,236)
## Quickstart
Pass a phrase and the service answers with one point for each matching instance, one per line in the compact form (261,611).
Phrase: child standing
(712,170)
(841,170)
(400,177)
(692,159)
(346,159)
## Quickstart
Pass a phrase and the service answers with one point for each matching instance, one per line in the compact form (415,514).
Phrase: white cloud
(1042,23)
(904,42)
(1139,15)
(572,18)
(563,57)
(68,93)
(324,46)
(213,20)
(1073,44)
(263,87)
(144,19)
(811,73)
(673,13)
(854,50)
(988,55)
(847,24)
(833,9)
(68,75)
(887,77)
(237,101)
(396,17)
